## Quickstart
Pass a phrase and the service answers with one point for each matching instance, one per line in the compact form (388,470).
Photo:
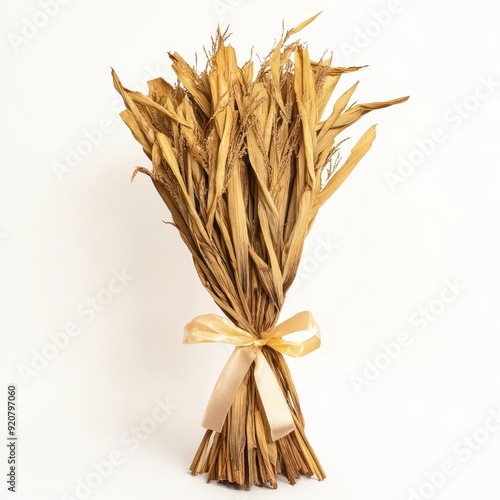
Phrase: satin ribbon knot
(214,328)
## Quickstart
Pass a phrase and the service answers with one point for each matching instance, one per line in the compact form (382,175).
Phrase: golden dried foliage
(244,160)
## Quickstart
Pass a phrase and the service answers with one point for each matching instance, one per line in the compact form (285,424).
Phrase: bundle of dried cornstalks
(243,162)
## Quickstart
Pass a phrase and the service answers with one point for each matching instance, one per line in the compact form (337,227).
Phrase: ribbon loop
(213,328)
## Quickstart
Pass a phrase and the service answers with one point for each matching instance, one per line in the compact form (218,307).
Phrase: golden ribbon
(213,328)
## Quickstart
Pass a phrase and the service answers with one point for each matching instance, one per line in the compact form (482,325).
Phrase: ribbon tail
(226,387)
(277,410)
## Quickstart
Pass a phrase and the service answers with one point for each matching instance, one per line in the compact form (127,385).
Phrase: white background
(389,252)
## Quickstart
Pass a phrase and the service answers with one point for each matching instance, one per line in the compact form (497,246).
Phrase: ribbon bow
(213,328)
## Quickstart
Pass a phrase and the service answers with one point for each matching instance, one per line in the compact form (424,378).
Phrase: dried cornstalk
(243,162)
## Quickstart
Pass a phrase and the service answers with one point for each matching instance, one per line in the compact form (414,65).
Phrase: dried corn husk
(244,159)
